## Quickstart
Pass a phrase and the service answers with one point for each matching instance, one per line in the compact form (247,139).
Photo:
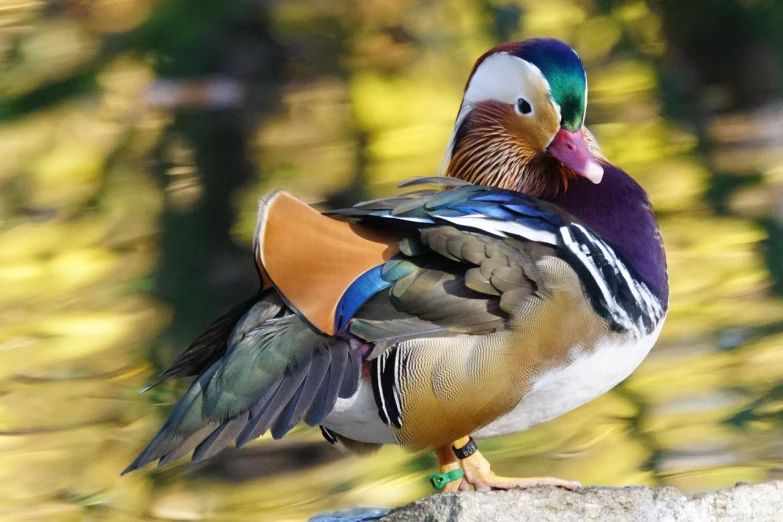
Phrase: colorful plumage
(529,281)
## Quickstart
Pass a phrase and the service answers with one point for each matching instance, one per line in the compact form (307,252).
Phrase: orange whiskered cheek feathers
(498,147)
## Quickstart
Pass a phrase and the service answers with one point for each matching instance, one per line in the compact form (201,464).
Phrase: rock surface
(743,503)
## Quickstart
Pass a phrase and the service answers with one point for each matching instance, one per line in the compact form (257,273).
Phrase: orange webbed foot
(477,472)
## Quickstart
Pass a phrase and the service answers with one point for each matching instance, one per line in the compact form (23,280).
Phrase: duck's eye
(523,107)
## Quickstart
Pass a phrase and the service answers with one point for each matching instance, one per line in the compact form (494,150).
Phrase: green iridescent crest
(563,69)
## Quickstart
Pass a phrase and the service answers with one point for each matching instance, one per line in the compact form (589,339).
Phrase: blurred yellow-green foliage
(137,135)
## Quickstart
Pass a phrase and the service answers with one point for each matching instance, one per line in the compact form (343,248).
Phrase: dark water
(136,137)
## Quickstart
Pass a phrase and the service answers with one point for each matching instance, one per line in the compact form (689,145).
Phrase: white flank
(357,418)
(562,389)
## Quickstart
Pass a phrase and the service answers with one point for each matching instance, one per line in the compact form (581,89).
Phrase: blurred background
(137,135)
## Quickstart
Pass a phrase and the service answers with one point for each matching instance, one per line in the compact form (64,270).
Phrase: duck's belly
(562,389)
(554,393)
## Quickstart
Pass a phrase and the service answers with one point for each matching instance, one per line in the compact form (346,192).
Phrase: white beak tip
(594,171)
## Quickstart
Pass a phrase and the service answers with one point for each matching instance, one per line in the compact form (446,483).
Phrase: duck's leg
(478,474)
(449,463)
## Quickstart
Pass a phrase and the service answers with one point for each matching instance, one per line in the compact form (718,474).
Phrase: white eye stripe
(505,78)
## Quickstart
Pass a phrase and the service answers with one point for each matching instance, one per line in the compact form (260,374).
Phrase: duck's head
(521,123)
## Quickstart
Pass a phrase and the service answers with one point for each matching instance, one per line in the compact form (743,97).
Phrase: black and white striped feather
(385,375)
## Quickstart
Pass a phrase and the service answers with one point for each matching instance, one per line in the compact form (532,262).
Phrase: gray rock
(354,514)
(743,503)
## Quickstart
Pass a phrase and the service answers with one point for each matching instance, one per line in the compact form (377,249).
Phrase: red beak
(570,148)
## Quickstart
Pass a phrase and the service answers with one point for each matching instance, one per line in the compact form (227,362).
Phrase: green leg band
(439,480)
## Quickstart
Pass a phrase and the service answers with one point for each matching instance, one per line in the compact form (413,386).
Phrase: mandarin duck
(528,281)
